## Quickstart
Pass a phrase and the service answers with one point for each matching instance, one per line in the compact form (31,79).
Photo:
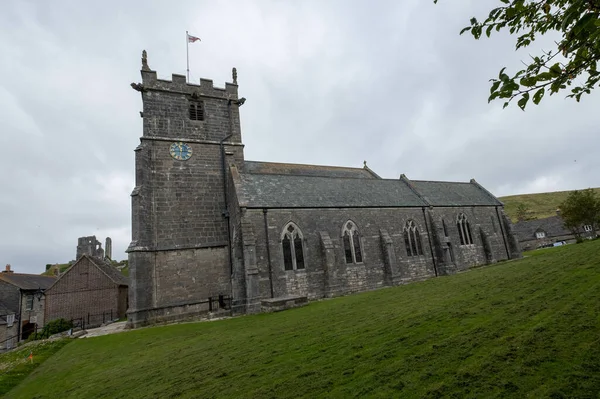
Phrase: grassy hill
(527,328)
(51,269)
(542,205)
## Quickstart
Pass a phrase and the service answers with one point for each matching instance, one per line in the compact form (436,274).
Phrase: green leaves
(537,97)
(573,59)
(523,100)
(581,208)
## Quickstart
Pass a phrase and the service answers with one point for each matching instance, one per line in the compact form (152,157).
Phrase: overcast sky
(327,82)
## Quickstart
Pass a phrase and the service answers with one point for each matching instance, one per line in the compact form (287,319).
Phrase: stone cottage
(23,303)
(9,328)
(545,232)
(91,291)
(206,222)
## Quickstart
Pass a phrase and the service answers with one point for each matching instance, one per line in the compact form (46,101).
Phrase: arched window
(292,244)
(412,239)
(352,247)
(464,230)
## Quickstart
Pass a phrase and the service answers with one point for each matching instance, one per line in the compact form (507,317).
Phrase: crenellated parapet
(179,84)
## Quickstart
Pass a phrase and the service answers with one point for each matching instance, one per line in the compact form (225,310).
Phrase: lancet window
(292,244)
(464,230)
(352,248)
(412,239)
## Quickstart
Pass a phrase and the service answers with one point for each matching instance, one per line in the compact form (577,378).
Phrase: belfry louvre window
(412,239)
(351,240)
(196,110)
(292,244)
(464,230)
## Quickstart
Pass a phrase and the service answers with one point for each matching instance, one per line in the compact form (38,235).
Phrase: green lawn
(521,329)
(16,365)
(541,205)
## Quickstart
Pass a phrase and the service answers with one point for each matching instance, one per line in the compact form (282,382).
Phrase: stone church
(206,222)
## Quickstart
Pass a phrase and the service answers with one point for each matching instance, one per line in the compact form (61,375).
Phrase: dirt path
(108,329)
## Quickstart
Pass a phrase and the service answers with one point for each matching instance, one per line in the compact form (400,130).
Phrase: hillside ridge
(541,205)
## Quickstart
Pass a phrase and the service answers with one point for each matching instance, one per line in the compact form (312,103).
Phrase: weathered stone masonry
(210,223)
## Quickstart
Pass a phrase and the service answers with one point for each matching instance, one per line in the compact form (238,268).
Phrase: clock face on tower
(181,151)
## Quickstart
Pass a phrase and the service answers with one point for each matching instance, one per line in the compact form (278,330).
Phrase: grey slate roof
(552,226)
(282,185)
(439,193)
(28,281)
(109,270)
(116,276)
(290,191)
(263,168)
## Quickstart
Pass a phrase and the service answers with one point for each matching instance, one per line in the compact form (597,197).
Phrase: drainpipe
(268,252)
(20,325)
(430,245)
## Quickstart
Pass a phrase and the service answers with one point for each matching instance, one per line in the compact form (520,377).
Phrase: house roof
(28,281)
(441,193)
(553,226)
(116,276)
(109,270)
(275,168)
(292,191)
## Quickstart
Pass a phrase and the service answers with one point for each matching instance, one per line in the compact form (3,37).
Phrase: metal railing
(90,320)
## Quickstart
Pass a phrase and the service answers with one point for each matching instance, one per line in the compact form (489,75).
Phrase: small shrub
(54,327)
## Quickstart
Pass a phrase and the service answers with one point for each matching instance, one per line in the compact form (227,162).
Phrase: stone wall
(385,257)
(485,223)
(9,296)
(35,315)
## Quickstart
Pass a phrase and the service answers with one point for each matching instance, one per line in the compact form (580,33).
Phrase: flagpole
(187,53)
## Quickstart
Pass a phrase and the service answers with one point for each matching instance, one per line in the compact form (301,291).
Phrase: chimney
(7,269)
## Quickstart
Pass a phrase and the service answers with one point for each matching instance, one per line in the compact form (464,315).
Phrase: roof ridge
(408,182)
(485,191)
(104,263)
(440,181)
(312,177)
(307,164)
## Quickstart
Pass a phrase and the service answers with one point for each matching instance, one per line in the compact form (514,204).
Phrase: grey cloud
(327,82)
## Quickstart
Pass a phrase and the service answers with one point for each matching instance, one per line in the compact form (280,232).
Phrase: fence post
(88,317)
(210,304)
(111,318)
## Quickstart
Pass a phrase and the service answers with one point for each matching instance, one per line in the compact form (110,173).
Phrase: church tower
(180,250)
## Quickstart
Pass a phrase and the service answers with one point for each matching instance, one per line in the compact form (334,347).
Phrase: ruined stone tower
(89,246)
(180,253)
